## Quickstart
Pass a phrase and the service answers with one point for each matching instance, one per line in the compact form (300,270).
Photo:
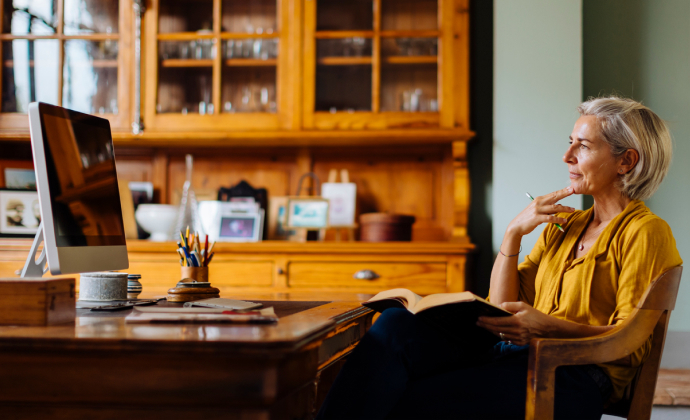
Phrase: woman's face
(593,169)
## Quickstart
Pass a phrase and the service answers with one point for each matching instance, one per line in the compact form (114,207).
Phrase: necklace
(582,242)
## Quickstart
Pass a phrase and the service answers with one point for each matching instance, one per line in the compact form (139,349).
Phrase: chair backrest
(660,295)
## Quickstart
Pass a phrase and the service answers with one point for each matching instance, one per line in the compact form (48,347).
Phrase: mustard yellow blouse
(603,286)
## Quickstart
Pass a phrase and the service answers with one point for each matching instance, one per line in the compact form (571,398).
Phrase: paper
(162,310)
(223,304)
(264,316)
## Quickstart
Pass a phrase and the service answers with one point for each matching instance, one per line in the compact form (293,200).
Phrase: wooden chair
(650,316)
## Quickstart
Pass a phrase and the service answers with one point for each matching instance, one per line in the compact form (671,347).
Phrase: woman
(576,283)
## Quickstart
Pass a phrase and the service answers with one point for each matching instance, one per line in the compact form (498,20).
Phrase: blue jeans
(406,368)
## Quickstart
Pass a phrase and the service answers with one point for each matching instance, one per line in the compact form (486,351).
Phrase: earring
(620,171)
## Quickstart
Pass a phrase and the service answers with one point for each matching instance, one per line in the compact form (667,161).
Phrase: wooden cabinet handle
(366,275)
(281,271)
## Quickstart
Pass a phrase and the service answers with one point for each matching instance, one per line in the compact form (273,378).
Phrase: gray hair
(627,124)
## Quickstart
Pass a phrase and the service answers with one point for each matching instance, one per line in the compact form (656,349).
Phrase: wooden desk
(103,368)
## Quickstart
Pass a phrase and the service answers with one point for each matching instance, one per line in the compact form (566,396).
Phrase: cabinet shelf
(343,34)
(418,59)
(250,62)
(371,34)
(344,61)
(177,62)
(249,35)
(410,34)
(191,36)
(185,36)
(94,63)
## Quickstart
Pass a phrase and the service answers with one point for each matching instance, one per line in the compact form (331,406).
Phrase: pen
(180,250)
(184,241)
(188,256)
(557,225)
(195,259)
(183,259)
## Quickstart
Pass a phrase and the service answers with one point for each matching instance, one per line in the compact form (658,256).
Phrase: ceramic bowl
(157,219)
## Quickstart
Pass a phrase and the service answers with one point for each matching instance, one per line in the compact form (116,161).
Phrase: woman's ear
(628,161)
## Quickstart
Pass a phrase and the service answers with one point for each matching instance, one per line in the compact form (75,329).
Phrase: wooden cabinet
(424,267)
(370,275)
(291,72)
(265,91)
(380,64)
(218,65)
(72,53)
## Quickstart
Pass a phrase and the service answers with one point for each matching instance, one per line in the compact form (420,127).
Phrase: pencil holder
(199,274)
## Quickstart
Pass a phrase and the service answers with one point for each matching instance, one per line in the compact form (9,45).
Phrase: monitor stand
(36,267)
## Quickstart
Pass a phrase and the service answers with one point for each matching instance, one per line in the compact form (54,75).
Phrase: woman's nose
(569,156)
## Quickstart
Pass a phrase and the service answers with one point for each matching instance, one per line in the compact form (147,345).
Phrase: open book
(444,308)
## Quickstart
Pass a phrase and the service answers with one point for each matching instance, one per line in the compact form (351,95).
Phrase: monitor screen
(82,180)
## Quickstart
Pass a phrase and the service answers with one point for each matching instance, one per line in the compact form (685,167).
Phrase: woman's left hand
(526,323)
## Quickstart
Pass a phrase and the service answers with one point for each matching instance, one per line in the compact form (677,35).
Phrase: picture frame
(232,221)
(309,213)
(20,179)
(342,197)
(12,164)
(241,227)
(20,213)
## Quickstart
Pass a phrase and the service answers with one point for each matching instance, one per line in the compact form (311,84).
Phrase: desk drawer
(422,277)
(163,275)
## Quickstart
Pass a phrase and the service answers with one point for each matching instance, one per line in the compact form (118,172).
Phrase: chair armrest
(615,344)
(547,354)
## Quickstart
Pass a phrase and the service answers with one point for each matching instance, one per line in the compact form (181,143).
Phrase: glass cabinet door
(218,65)
(377,64)
(67,53)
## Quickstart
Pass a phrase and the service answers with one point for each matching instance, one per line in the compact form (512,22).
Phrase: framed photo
(20,179)
(307,213)
(13,165)
(341,203)
(232,221)
(20,213)
(240,227)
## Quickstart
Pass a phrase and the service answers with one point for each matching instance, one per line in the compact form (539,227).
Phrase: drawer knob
(366,275)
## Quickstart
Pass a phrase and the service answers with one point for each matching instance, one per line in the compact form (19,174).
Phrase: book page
(408,298)
(448,298)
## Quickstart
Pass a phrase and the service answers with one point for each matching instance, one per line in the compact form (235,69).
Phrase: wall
(639,48)
(537,87)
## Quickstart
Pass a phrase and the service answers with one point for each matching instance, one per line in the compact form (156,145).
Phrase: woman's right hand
(541,210)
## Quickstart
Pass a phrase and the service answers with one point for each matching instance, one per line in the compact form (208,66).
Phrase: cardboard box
(37,301)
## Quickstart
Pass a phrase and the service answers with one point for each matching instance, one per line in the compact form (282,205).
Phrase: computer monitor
(81,216)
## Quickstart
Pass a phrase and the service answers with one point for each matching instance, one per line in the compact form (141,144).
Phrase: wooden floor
(673,387)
